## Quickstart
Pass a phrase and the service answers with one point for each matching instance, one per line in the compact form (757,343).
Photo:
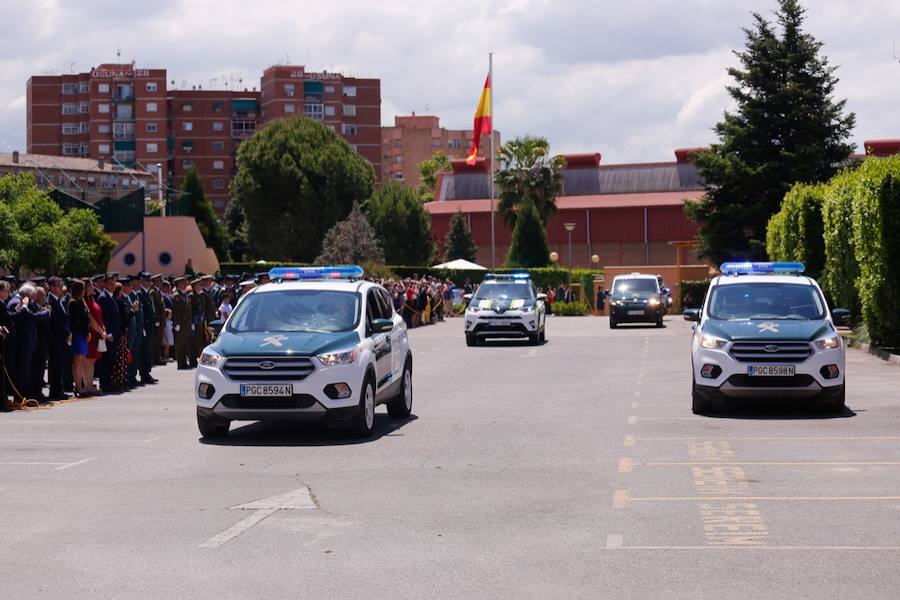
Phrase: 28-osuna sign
(119,73)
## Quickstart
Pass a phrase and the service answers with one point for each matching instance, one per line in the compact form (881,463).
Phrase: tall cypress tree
(529,239)
(787,128)
(202,211)
(459,242)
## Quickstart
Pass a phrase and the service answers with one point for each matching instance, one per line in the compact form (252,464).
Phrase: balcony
(123,97)
(241,129)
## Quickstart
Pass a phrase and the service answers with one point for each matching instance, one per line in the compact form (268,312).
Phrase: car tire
(700,405)
(364,421)
(659,320)
(471,340)
(543,337)
(612,323)
(534,339)
(837,405)
(213,428)
(401,406)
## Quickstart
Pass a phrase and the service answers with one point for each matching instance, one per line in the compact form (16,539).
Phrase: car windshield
(629,286)
(504,291)
(739,301)
(286,311)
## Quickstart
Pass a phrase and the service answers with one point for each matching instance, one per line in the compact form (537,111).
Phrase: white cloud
(630,80)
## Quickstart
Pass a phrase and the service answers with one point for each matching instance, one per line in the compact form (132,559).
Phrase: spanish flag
(482,120)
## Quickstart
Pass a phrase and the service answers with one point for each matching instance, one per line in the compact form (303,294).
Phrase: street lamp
(570,227)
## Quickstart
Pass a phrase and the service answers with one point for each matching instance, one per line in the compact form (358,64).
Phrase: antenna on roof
(118,54)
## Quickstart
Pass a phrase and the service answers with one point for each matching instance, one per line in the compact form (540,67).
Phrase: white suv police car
(506,306)
(315,343)
(765,331)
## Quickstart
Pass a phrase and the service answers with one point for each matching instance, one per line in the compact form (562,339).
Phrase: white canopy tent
(460,265)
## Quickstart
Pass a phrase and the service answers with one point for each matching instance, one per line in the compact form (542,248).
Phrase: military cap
(179,278)
(226,277)
(247,282)
(143,275)
(98,277)
(155,277)
(196,282)
(9,278)
(206,278)
(112,275)
(39,280)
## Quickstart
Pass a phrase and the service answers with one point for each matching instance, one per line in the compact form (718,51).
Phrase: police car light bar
(307,273)
(762,268)
(516,276)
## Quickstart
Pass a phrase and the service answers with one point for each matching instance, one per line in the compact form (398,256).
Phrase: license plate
(267,389)
(771,371)
(501,322)
(635,312)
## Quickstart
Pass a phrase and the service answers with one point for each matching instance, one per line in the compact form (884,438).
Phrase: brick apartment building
(416,138)
(130,116)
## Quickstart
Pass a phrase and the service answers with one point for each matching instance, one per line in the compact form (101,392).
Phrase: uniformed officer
(181,322)
(210,312)
(159,309)
(198,324)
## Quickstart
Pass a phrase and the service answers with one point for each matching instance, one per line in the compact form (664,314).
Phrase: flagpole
(493,156)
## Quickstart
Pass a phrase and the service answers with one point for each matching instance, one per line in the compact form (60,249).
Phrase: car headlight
(829,343)
(210,359)
(345,357)
(654,301)
(711,342)
(527,309)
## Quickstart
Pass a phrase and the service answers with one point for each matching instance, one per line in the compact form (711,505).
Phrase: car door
(397,337)
(381,342)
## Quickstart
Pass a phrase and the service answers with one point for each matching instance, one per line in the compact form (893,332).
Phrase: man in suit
(60,341)
(110,309)
(25,315)
(181,323)
(135,331)
(151,324)
(159,309)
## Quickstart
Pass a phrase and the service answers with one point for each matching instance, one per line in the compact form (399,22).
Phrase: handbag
(101,345)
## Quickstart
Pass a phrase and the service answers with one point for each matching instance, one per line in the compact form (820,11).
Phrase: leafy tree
(203,213)
(402,224)
(429,170)
(236,226)
(529,239)
(787,128)
(528,173)
(796,233)
(351,242)
(296,178)
(459,242)
(87,248)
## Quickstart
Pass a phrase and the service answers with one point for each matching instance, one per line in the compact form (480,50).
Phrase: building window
(218,126)
(187,126)
(85,148)
(436,142)
(454,144)
(219,203)
(186,107)
(329,89)
(218,164)
(348,110)
(124,156)
(165,258)
(398,159)
(187,146)
(348,129)
(70,128)
(84,127)
(289,90)
(152,128)
(218,107)
(84,107)
(313,111)
(152,148)
(70,109)
(151,107)
(329,110)
(69,89)
(350,91)
(70,149)
(398,176)
(151,86)
(187,163)
(91,182)
(218,184)
(289,108)
(107,181)
(103,128)
(103,88)
(83,87)
(126,182)
(103,149)
(398,143)
(218,145)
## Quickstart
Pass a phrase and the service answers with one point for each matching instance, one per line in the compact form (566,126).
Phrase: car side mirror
(840,316)
(381,325)
(216,326)
(692,314)
(542,297)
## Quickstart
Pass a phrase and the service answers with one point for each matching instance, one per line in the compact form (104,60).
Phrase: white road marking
(73,464)
(299,499)
(632,420)
(31,463)
(613,541)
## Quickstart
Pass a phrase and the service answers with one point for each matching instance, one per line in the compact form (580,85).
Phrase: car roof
(635,276)
(337,285)
(777,279)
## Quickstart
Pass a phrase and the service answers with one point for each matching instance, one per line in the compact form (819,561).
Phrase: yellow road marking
(625,465)
(761,547)
(629,441)
(620,498)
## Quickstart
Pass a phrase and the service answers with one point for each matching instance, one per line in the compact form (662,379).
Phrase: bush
(571,309)
(693,293)
(795,233)
(841,269)
(528,247)
(876,242)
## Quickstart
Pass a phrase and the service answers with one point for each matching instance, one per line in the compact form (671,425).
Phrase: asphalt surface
(572,470)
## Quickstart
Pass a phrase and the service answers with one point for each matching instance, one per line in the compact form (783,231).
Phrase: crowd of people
(420,300)
(104,334)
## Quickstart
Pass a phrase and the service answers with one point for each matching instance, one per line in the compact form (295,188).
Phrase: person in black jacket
(42,350)
(7,341)
(111,320)
(79,323)
(150,325)
(60,341)
(25,317)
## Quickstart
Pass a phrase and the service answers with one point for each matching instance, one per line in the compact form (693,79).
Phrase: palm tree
(528,172)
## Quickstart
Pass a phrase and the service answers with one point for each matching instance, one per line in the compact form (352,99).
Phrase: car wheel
(838,404)
(700,404)
(534,339)
(401,406)
(211,427)
(364,421)
(612,323)
(471,340)
(543,337)
(659,320)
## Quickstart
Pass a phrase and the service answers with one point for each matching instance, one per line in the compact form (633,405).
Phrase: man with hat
(262,277)
(159,309)
(110,310)
(198,322)
(150,325)
(181,322)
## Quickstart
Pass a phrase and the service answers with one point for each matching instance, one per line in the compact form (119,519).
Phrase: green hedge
(693,293)
(876,242)
(571,309)
(841,269)
(795,233)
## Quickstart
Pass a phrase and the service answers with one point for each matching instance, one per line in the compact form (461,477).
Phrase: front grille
(284,368)
(771,352)
(745,381)
(236,401)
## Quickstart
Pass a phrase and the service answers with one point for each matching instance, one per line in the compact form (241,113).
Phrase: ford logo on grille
(267,365)
(771,348)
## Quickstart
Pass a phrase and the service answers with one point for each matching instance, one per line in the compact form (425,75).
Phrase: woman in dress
(98,332)
(120,367)
(79,325)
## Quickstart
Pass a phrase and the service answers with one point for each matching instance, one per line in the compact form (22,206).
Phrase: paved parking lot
(572,470)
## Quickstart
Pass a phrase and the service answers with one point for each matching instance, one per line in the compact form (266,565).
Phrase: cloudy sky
(632,80)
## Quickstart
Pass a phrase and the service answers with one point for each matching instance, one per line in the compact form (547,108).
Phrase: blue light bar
(308,273)
(516,276)
(762,268)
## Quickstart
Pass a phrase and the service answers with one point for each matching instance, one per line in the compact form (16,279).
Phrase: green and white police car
(315,343)
(765,330)
(506,306)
